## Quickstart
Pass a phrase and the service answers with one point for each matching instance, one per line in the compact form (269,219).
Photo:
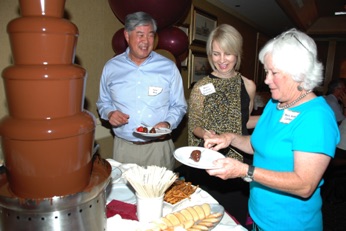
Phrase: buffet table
(121,194)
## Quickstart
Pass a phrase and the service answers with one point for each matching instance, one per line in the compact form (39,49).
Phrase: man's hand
(117,118)
(163,125)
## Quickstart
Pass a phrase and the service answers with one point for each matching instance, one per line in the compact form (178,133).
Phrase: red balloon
(174,40)
(119,43)
(178,63)
(183,58)
(165,12)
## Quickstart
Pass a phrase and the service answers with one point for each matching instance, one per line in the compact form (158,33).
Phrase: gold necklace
(293,102)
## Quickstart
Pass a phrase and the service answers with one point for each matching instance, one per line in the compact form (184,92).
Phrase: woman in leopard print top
(222,102)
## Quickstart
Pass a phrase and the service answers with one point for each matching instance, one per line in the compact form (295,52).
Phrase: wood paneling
(302,12)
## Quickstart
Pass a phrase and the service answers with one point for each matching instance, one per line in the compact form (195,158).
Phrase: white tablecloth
(122,191)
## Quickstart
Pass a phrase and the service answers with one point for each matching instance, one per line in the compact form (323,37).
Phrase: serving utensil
(207,130)
(144,124)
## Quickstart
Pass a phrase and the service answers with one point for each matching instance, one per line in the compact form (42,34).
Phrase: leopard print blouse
(225,110)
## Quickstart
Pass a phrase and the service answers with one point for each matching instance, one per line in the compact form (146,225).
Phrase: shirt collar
(127,52)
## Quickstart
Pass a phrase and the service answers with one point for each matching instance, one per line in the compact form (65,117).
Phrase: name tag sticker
(155,91)
(207,89)
(288,116)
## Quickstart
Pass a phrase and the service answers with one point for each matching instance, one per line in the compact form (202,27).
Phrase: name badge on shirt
(155,91)
(207,89)
(288,116)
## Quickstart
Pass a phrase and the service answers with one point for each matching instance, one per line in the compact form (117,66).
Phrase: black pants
(334,193)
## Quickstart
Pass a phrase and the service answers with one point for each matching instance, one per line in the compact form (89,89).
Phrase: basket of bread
(194,218)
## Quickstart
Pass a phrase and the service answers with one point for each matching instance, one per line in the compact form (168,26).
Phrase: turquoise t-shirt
(309,127)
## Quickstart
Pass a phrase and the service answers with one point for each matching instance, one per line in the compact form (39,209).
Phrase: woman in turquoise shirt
(292,144)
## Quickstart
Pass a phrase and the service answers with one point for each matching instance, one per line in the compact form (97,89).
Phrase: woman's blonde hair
(229,40)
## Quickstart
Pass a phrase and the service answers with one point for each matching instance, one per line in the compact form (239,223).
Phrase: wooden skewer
(207,130)
(150,182)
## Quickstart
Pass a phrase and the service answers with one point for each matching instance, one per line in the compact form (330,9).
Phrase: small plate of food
(151,131)
(179,192)
(197,157)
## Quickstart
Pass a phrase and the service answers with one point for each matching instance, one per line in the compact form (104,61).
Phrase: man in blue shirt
(141,86)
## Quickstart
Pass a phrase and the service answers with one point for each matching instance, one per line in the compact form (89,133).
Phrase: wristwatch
(249,175)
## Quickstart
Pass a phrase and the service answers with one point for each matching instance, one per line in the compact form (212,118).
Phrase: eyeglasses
(291,34)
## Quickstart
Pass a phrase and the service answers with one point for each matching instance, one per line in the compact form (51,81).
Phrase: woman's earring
(300,88)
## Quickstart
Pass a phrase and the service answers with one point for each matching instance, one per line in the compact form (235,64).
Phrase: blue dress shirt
(151,92)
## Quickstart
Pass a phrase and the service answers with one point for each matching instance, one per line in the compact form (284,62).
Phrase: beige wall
(97,24)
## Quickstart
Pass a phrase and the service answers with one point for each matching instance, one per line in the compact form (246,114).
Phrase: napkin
(125,210)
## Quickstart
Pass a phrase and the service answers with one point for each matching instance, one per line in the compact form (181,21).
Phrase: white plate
(116,174)
(217,208)
(159,132)
(214,208)
(121,192)
(207,157)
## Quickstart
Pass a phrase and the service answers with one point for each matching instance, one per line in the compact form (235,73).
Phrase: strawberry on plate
(140,129)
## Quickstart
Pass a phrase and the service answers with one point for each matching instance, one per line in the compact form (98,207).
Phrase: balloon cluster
(166,13)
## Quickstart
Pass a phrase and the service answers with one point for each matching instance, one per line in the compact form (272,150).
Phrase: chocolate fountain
(52,181)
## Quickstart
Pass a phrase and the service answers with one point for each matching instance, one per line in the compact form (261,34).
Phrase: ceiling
(315,17)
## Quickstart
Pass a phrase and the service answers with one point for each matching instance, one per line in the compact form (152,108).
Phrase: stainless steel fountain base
(88,216)
(84,211)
